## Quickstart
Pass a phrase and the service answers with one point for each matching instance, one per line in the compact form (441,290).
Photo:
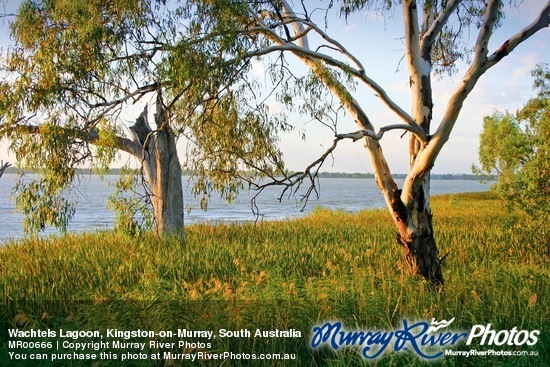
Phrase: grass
(287,274)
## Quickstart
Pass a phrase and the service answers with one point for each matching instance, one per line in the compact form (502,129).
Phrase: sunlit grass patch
(292,274)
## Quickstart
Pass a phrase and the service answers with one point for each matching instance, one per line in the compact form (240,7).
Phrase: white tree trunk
(410,206)
(162,170)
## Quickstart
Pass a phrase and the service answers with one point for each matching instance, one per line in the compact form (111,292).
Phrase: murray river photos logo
(427,340)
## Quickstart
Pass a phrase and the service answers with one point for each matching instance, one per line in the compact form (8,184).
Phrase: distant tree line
(434,176)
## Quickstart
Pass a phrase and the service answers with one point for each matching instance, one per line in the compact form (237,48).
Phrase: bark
(162,170)
(416,237)
(414,221)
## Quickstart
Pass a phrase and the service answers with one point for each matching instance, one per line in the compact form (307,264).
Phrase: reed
(288,274)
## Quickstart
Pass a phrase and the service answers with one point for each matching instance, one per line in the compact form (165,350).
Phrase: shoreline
(325,174)
(315,210)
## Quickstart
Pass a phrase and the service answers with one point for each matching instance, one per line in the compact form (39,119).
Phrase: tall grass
(289,274)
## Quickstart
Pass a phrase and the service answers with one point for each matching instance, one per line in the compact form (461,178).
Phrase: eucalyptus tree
(79,71)
(435,37)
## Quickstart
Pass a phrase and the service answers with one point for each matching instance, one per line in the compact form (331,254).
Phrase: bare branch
(371,134)
(91,137)
(542,21)
(311,172)
(295,180)
(339,46)
(3,167)
(300,36)
(303,51)
(485,33)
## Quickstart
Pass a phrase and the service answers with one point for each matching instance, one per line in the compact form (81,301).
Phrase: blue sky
(377,42)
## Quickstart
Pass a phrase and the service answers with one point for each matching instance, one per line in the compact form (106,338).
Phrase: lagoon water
(92,193)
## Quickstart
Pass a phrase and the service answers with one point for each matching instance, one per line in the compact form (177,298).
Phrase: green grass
(288,274)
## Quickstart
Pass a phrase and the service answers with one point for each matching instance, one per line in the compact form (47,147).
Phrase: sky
(377,42)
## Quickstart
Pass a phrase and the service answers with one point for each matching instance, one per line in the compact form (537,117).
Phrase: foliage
(45,201)
(58,74)
(133,214)
(223,154)
(77,64)
(435,40)
(516,147)
(451,46)
(78,67)
(287,274)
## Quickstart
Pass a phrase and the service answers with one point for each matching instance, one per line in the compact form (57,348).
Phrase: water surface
(92,192)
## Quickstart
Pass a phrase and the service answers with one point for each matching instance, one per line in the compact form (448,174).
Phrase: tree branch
(419,69)
(479,65)
(3,167)
(426,158)
(371,134)
(92,136)
(430,35)
(485,32)
(138,92)
(412,38)
(542,21)
(471,77)
(339,46)
(312,59)
(295,180)
(307,53)
(303,51)
(311,172)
